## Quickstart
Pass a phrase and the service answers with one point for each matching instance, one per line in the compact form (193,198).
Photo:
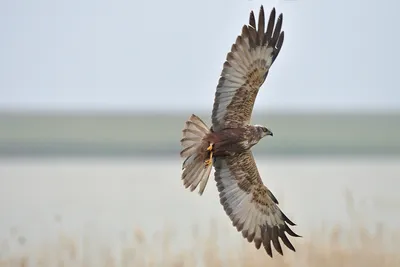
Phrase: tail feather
(195,152)
(204,179)
(190,150)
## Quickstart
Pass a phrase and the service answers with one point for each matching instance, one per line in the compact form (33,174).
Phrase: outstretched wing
(245,70)
(252,208)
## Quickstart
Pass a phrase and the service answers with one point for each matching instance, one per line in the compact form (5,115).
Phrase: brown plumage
(250,205)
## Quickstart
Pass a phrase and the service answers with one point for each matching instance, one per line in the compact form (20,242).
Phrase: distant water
(110,197)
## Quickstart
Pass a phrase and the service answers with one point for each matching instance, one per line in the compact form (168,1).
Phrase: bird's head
(263,131)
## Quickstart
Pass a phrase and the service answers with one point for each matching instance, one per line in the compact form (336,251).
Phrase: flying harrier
(252,208)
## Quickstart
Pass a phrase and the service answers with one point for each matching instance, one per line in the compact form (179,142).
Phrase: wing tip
(280,17)
(286,219)
(273,11)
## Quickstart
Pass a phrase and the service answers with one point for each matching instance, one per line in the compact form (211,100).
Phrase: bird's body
(226,145)
(227,142)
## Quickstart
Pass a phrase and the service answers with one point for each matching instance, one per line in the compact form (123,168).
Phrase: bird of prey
(226,145)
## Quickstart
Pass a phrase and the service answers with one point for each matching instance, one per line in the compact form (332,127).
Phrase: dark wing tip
(286,219)
(273,235)
(276,31)
(280,21)
(271,195)
(261,25)
(261,14)
(252,19)
(276,233)
(286,241)
(270,27)
(273,11)
(290,231)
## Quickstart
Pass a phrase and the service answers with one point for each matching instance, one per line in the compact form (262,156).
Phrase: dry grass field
(353,245)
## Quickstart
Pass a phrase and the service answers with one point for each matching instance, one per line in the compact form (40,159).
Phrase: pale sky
(168,55)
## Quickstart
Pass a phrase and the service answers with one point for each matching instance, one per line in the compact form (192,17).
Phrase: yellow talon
(208,162)
(210,147)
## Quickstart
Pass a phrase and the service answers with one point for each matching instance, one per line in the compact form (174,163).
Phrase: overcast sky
(168,55)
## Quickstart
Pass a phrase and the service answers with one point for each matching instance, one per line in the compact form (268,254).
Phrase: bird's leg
(208,162)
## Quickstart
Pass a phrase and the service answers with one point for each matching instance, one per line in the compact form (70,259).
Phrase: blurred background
(93,98)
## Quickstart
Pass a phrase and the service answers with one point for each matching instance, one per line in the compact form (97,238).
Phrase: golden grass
(355,245)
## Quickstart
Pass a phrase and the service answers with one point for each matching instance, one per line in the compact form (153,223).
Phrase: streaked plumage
(250,205)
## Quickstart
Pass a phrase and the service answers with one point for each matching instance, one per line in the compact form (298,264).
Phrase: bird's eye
(264,129)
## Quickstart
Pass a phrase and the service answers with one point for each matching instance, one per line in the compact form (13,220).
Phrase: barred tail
(195,152)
